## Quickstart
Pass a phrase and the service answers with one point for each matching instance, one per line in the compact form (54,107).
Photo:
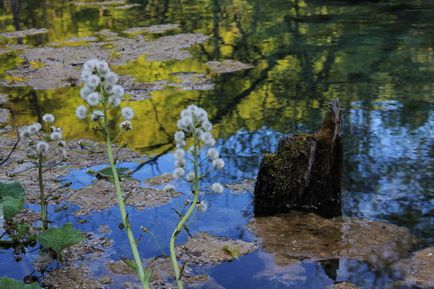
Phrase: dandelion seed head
(114,101)
(85,91)
(179,136)
(93,99)
(81,112)
(217,188)
(218,164)
(202,206)
(179,153)
(96,115)
(126,125)
(56,136)
(178,173)
(34,128)
(42,147)
(212,153)
(127,113)
(118,90)
(48,118)
(169,188)
(93,81)
(190,177)
(111,78)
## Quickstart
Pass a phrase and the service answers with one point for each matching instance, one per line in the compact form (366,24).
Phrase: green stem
(121,203)
(42,198)
(185,218)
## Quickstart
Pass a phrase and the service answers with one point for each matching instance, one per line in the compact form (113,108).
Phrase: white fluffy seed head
(111,78)
(126,125)
(56,136)
(81,112)
(90,65)
(212,153)
(207,139)
(218,164)
(85,91)
(93,81)
(190,177)
(34,128)
(127,113)
(93,99)
(206,126)
(217,188)
(202,206)
(179,163)
(118,91)
(179,136)
(96,115)
(179,153)
(178,173)
(114,101)
(48,118)
(42,147)
(169,188)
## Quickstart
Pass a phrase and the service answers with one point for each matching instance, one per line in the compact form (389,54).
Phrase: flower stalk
(102,91)
(194,122)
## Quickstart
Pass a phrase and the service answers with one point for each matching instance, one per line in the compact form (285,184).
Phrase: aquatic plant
(103,97)
(48,149)
(9,283)
(58,239)
(193,123)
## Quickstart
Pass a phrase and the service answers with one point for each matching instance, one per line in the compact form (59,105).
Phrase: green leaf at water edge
(231,251)
(11,199)
(10,207)
(107,173)
(8,283)
(61,238)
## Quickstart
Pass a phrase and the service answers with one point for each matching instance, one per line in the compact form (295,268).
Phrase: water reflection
(376,56)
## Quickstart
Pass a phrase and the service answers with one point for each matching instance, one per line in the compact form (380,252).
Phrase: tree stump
(305,172)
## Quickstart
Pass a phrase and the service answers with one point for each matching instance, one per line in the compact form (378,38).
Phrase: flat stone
(23,33)
(156,29)
(418,270)
(227,66)
(5,115)
(300,236)
(343,285)
(3,98)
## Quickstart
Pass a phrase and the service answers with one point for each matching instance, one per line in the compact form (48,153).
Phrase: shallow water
(377,57)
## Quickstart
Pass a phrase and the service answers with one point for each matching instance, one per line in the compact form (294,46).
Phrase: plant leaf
(11,199)
(8,283)
(61,238)
(130,263)
(107,173)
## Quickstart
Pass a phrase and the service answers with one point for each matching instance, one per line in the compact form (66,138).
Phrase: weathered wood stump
(304,173)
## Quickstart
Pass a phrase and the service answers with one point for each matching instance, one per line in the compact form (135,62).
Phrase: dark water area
(376,56)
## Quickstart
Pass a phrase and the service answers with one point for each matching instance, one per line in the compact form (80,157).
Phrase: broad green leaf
(61,238)
(8,283)
(107,173)
(22,229)
(11,199)
(14,190)
(11,206)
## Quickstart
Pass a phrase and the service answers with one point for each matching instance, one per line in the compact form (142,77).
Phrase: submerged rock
(419,269)
(192,81)
(343,285)
(101,195)
(161,28)
(205,249)
(301,236)
(3,98)
(227,66)
(23,33)
(5,115)
(246,185)
(62,65)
